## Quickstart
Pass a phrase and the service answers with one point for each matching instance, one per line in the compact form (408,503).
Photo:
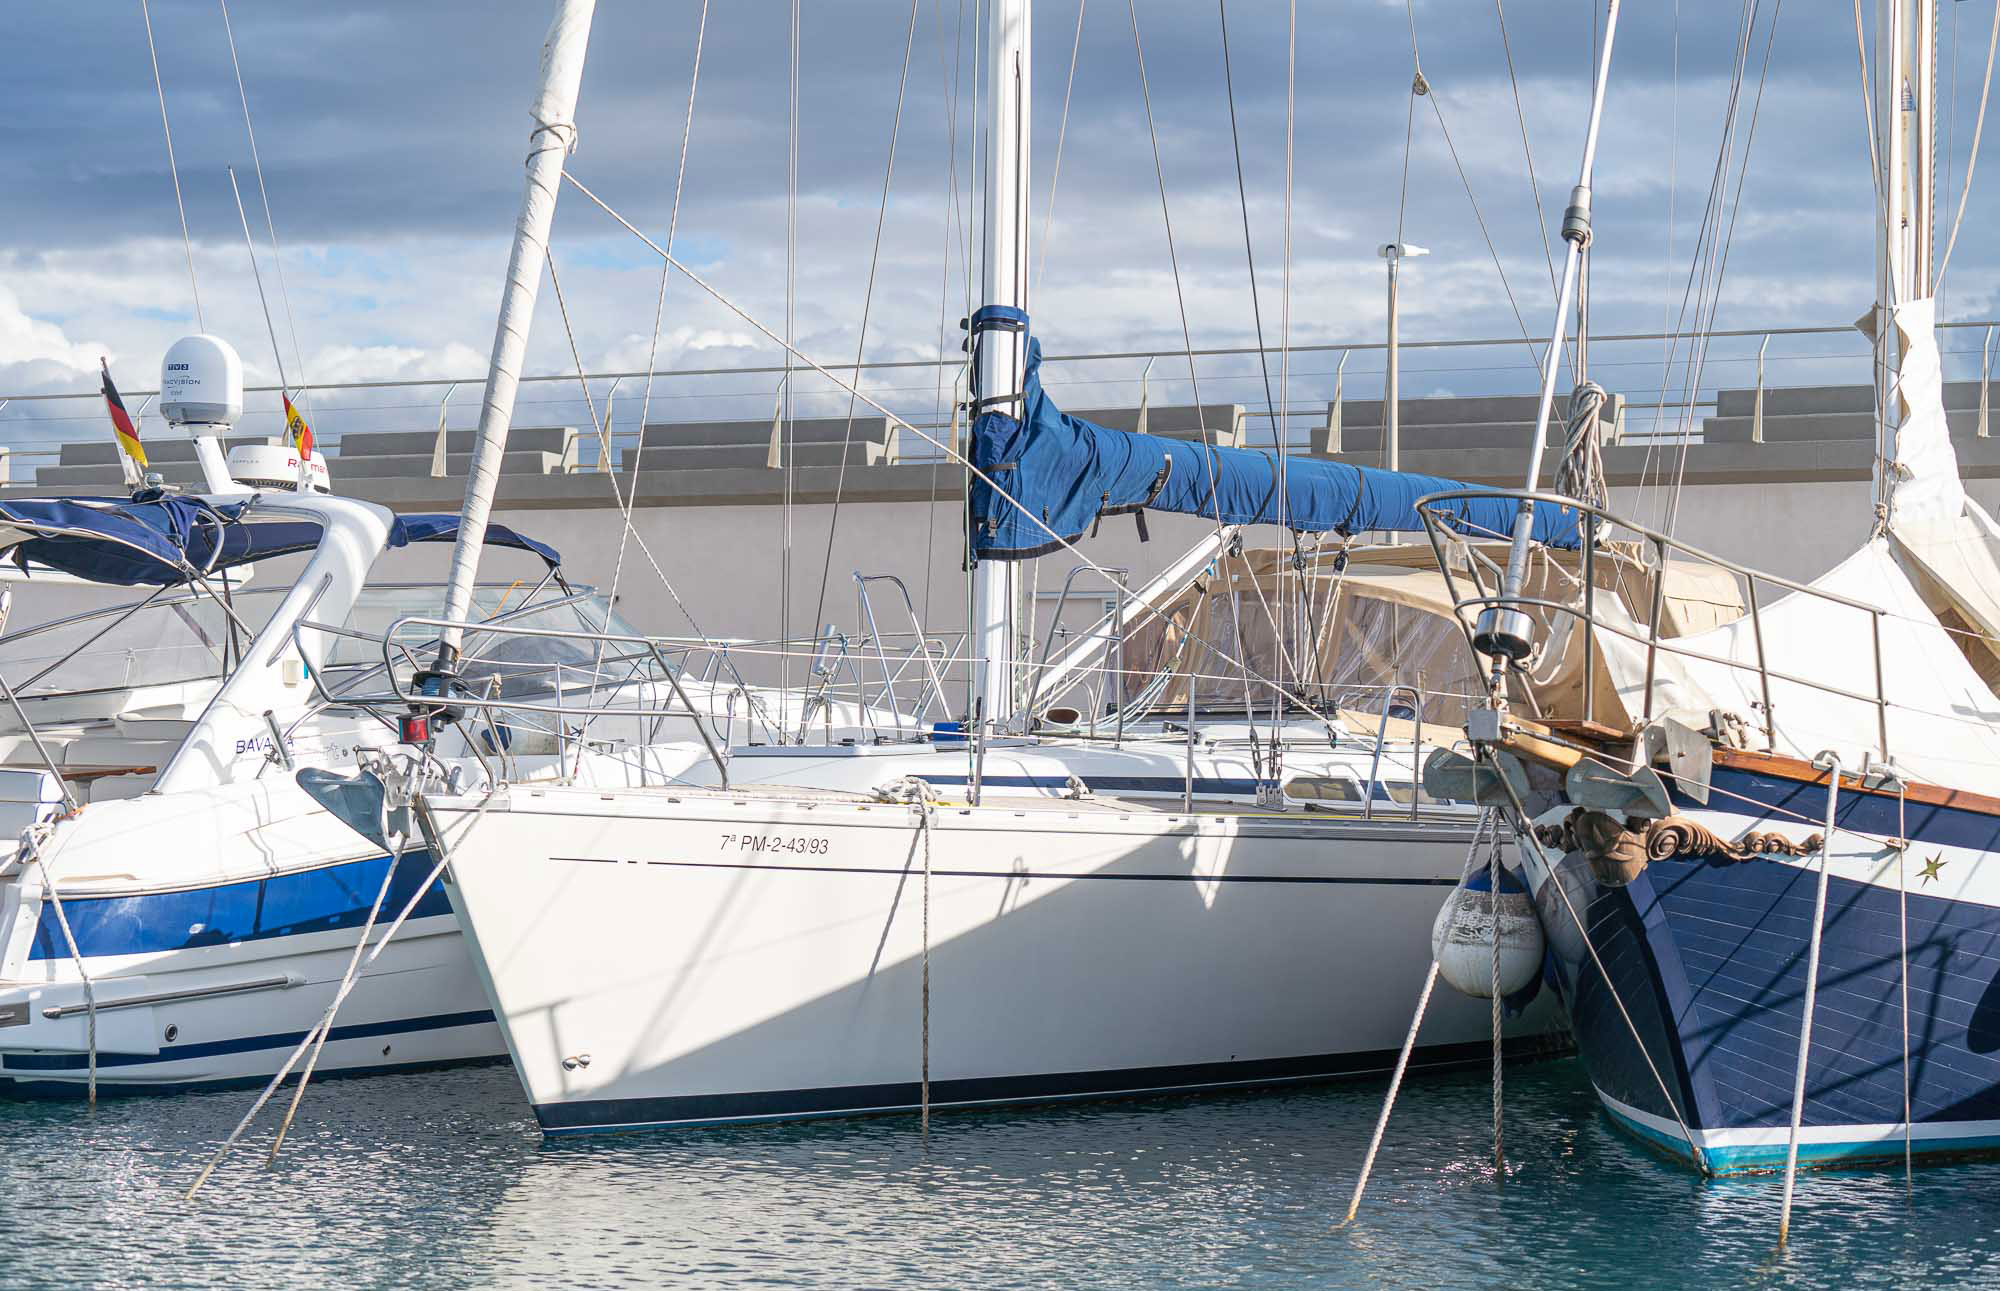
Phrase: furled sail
(1949,542)
(1065,474)
(1942,722)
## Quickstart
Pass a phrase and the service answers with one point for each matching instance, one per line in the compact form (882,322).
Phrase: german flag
(121,420)
(301,434)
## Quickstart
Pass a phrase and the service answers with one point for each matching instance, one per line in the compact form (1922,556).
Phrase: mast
(551,140)
(1905,106)
(1000,339)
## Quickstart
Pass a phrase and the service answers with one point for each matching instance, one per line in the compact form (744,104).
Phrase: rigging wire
(173,168)
(1180,300)
(1286,663)
(653,350)
(1150,612)
(1673,203)
(1420,87)
(1285,305)
(1972,160)
(1702,257)
(270,224)
(787,454)
(627,498)
(1062,132)
(867,308)
(1699,354)
(1521,118)
(954,221)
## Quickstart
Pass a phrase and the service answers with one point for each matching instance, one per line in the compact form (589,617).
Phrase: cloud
(393,134)
(35,353)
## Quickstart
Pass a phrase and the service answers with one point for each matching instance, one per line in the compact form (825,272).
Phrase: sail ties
(1580,474)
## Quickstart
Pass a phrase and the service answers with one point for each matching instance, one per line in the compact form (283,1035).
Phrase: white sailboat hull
(681,958)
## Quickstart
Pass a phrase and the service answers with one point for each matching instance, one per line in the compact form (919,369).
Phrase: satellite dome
(201,382)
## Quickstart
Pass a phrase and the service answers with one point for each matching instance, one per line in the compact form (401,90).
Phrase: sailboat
(1763,854)
(999,911)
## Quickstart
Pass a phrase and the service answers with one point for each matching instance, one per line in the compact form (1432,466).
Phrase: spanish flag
(301,434)
(121,420)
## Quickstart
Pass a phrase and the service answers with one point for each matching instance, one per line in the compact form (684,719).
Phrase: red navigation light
(414,728)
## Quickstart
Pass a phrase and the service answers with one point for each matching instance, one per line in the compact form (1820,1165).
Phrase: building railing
(1649,369)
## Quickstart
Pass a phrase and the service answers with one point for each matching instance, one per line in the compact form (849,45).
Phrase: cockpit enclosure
(1337,629)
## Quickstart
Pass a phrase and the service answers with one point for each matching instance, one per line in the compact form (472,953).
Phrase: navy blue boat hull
(1708,958)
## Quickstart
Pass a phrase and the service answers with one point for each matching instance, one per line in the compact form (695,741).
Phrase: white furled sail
(551,140)
(1942,721)
(1947,541)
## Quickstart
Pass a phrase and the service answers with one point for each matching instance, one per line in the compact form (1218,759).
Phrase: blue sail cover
(1067,472)
(169,540)
(444,528)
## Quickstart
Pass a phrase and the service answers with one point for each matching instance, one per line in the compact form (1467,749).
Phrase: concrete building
(1787,491)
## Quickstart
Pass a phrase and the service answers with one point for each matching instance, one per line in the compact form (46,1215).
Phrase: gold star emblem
(1930,868)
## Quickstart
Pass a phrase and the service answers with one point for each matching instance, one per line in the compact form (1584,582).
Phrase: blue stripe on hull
(610,1115)
(15,1065)
(1213,786)
(1709,958)
(284,905)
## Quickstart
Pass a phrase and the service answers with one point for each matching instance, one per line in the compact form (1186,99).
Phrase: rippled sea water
(442,1180)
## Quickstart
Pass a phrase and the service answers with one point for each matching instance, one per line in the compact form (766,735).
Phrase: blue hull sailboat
(1766,852)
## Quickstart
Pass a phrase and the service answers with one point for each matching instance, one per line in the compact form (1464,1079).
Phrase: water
(442,1180)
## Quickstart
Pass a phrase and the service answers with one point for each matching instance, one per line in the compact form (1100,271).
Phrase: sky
(392,137)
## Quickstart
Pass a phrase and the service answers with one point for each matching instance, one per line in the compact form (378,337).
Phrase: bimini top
(1067,473)
(173,540)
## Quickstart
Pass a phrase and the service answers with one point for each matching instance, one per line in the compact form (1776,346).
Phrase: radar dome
(201,382)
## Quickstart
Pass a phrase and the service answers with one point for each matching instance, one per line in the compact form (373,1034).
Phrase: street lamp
(1395,253)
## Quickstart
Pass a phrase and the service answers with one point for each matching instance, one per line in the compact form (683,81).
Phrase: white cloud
(339,363)
(37,354)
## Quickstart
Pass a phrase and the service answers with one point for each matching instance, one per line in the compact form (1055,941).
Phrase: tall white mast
(551,140)
(1000,353)
(1905,106)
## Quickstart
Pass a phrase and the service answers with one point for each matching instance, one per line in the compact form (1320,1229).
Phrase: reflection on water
(441,1180)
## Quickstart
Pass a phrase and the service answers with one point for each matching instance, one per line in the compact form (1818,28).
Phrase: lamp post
(1395,253)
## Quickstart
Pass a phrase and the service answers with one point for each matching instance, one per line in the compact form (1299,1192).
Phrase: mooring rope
(441,857)
(312,1039)
(32,840)
(1830,761)
(1493,911)
(921,796)
(346,980)
(1903,960)
(1486,818)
